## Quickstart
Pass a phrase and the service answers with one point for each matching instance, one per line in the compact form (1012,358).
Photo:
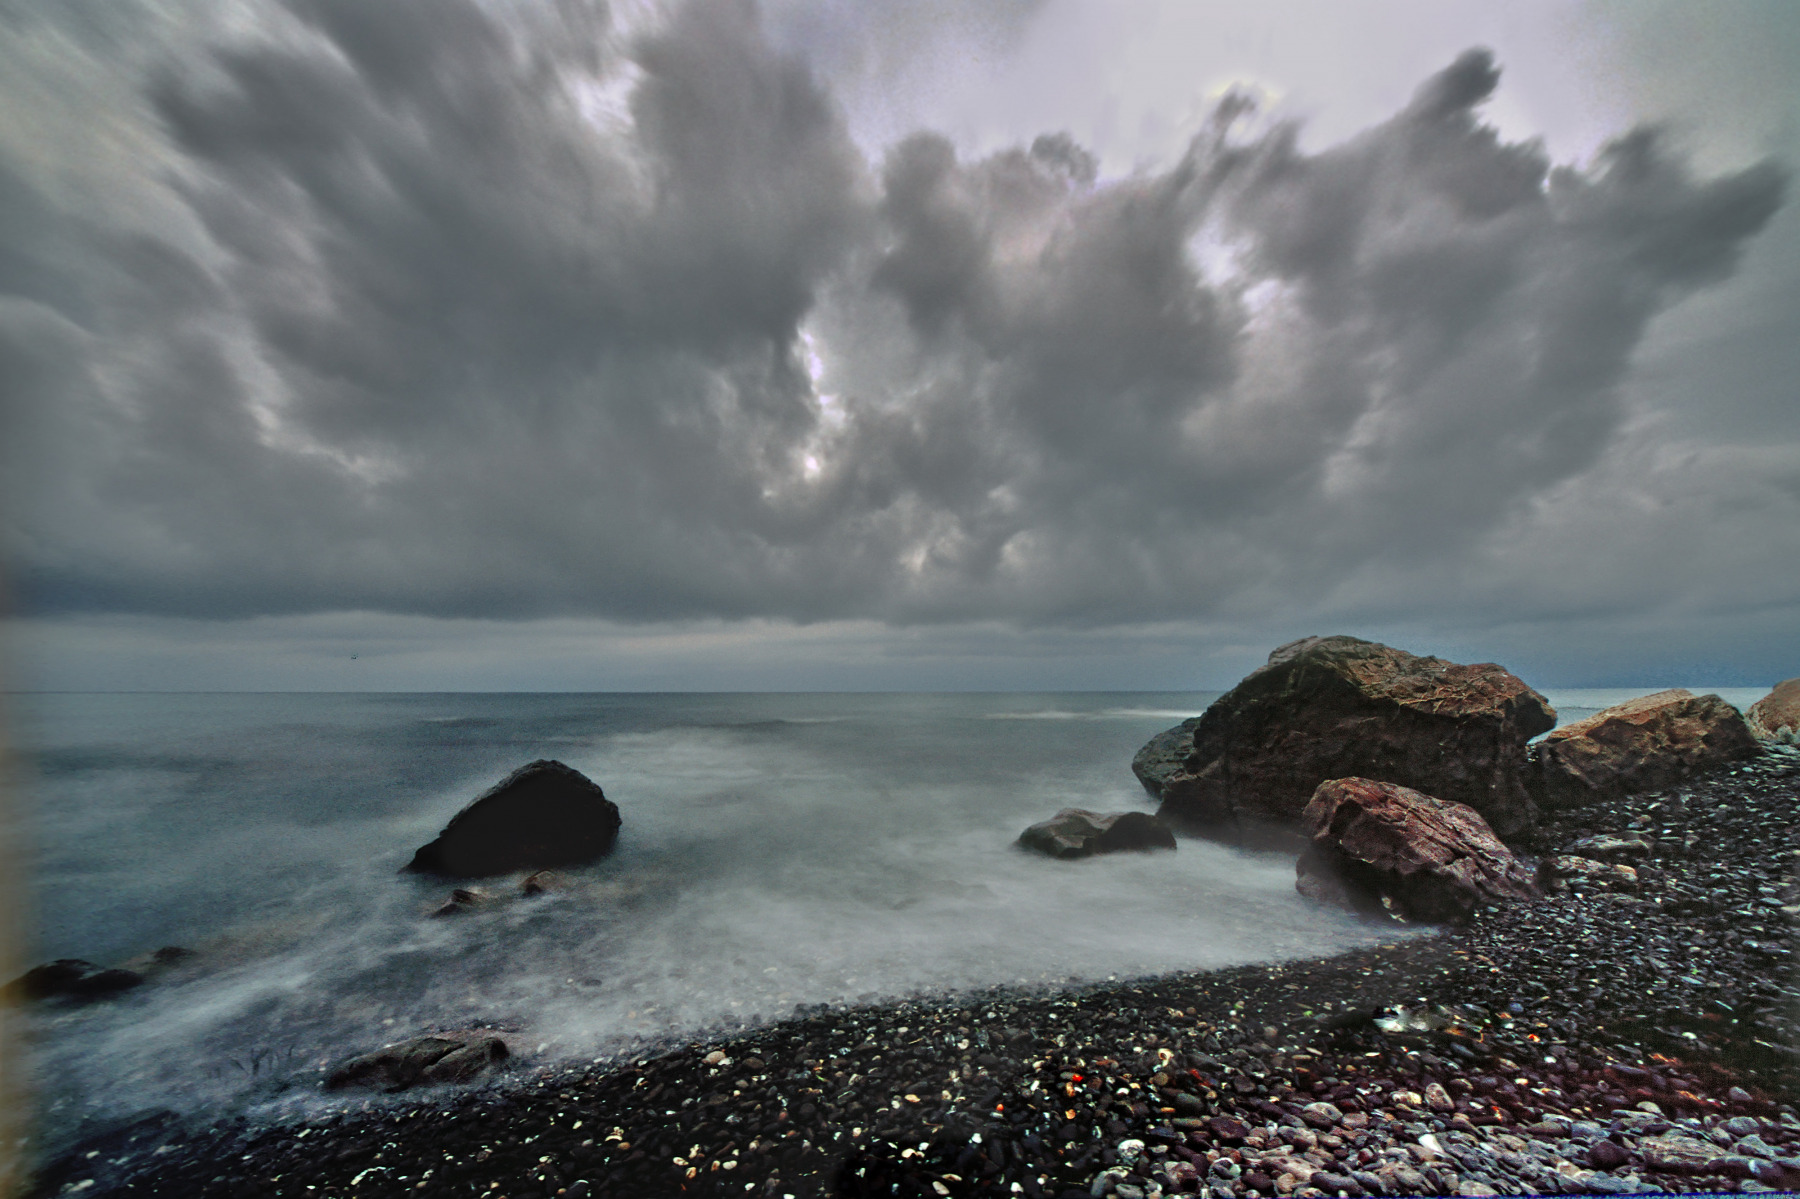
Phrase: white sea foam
(776,851)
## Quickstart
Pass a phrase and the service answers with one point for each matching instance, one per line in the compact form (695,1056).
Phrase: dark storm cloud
(444,313)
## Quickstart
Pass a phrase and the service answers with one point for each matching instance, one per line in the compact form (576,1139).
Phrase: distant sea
(777,850)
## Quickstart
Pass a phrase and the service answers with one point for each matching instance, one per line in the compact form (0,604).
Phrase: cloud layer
(447,309)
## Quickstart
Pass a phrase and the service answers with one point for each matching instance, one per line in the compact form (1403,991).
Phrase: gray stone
(443,1057)
(1754,1146)
(1078,833)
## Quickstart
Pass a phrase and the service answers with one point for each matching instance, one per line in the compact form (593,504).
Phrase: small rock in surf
(1077,833)
(441,1057)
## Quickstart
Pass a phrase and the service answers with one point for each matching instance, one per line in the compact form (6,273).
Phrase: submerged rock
(72,978)
(542,882)
(1380,846)
(436,1058)
(1641,745)
(544,814)
(1078,833)
(1776,716)
(1337,707)
(461,901)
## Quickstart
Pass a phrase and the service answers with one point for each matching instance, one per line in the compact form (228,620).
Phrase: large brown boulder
(441,1057)
(1381,847)
(1337,707)
(1078,833)
(541,815)
(1776,716)
(1642,744)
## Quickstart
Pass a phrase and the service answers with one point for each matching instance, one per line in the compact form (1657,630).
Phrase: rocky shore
(1632,1032)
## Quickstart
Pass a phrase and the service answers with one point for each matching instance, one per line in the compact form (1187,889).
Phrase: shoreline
(1602,1000)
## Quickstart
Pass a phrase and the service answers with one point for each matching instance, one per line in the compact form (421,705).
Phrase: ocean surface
(777,851)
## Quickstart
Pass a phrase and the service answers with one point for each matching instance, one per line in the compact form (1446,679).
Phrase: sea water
(777,851)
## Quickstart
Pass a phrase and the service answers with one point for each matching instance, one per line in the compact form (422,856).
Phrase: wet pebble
(1598,1041)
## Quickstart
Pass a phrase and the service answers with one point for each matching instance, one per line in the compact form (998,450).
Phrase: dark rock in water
(1377,845)
(1163,759)
(73,978)
(436,1058)
(544,814)
(542,882)
(462,900)
(1340,707)
(1776,716)
(159,962)
(1641,745)
(1077,833)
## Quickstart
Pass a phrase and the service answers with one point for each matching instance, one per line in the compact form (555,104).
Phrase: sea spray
(777,852)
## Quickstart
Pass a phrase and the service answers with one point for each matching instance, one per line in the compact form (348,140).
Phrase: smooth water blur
(776,850)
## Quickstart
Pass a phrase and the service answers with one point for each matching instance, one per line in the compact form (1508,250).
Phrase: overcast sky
(537,344)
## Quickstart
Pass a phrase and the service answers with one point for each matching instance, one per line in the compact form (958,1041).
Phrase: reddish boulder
(1077,833)
(1337,707)
(1642,744)
(1776,716)
(1377,846)
(544,814)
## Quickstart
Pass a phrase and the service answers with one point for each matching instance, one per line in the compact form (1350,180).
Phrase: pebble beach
(1632,1032)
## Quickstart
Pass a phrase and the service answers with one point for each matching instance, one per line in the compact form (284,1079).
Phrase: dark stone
(541,882)
(1607,1155)
(1227,1129)
(1078,833)
(1164,757)
(436,1058)
(1337,707)
(1378,846)
(462,900)
(72,978)
(541,815)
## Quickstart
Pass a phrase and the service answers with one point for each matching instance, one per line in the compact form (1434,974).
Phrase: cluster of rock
(1397,774)
(1340,707)
(1079,833)
(544,814)
(78,980)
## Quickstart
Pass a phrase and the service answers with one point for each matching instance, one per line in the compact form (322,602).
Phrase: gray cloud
(429,311)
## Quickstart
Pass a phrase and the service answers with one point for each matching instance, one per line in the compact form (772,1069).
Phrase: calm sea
(777,850)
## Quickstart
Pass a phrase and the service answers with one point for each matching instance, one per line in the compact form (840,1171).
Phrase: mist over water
(777,850)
